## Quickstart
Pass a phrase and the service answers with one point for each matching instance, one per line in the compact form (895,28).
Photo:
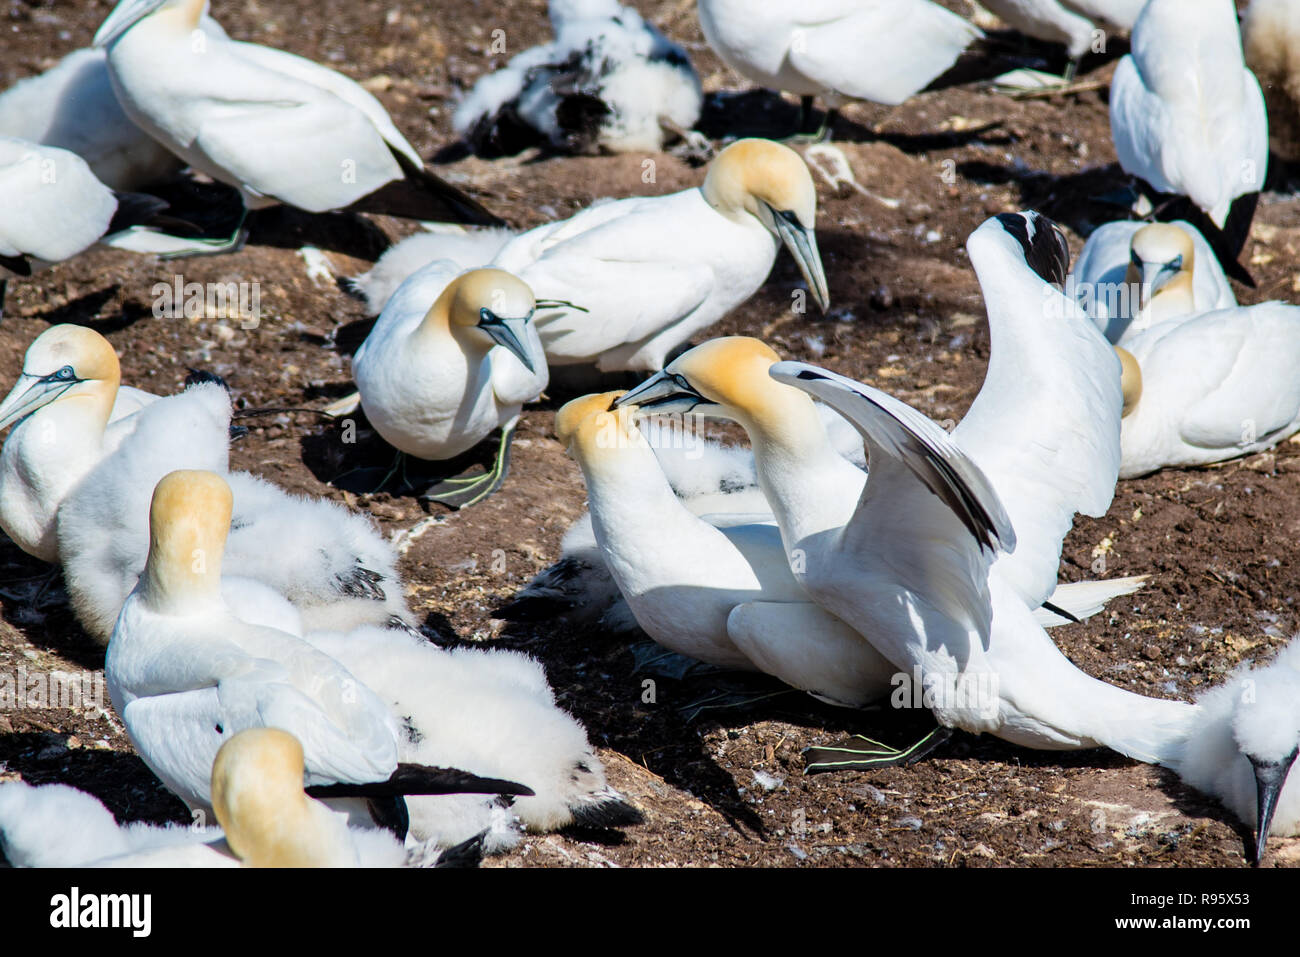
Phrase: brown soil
(1219,543)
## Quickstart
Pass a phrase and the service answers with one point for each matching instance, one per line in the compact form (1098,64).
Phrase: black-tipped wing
(417,779)
(422,195)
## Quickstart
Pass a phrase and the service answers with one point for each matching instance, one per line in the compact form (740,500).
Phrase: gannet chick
(1076,23)
(453,356)
(608,81)
(492,711)
(54,444)
(303,134)
(884,51)
(52,208)
(1187,115)
(1243,746)
(1210,387)
(909,563)
(1271,38)
(186,674)
(1124,264)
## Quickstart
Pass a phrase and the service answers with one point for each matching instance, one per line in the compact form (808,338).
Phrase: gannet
(186,674)
(1124,264)
(1210,387)
(468,249)
(277,127)
(266,820)
(52,207)
(686,259)
(1187,115)
(608,81)
(879,50)
(45,457)
(77,490)
(1271,38)
(453,356)
(1079,24)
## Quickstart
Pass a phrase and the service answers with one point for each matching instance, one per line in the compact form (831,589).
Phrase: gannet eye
(1176,264)
(66,374)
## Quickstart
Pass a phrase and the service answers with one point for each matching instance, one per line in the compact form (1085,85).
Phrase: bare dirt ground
(1220,544)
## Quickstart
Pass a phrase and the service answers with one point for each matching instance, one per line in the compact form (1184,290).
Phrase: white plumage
(1186,114)
(609,80)
(879,50)
(1075,23)
(467,249)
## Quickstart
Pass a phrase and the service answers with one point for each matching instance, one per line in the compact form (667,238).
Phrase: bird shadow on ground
(87,309)
(33,600)
(1073,200)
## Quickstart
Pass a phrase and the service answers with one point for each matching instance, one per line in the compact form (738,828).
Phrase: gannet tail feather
(1084,599)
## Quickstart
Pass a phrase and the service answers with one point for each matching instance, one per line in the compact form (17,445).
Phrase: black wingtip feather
(607,814)
(466,854)
(1046,251)
(422,195)
(418,779)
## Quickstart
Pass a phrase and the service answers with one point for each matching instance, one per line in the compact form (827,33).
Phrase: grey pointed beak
(510,334)
(802,243)
(29,394)
(124,16)
(1270,778)
(662,393)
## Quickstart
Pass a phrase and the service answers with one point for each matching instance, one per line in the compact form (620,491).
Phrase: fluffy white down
(488,712)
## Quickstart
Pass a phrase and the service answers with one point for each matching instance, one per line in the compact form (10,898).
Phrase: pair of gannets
(77,470)
(266,820)
(644,274)
(277,127)
(1124,264)
(187,667)
(1271,38)
(1187,115)
(608,81)
(910,566)
(453,356)
(1079,24)
(884,51)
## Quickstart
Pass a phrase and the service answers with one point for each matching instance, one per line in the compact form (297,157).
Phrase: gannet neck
(189,519)
(1130,379)
(257,794)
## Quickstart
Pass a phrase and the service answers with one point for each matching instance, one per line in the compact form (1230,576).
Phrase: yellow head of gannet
(189,519)
(1161,257)
(1130,379)
(258,797)
(65,362)
(591,424)
(483,308)
(728,378)
(771,182)
(183,15)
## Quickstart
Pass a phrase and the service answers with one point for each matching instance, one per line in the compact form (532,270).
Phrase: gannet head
(591,425)
(189,519)
(1161,257)
(1028,236)
(1130,379)
(771,182)
(725,378)
(130,12)
(490,307)
(63,361)
(258,797)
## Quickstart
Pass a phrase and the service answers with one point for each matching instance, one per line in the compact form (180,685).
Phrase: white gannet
(908,563)
(608,81)
(649,273)
(1079,24)
(1187,115)
(76,489)
(453,356)
(1124,264)
(266,821)
(468,249)
(52,207)
(186,674)
(1243,745)
(1271,38)
(277,127)
(879,50)
(44,458)
(72,106)
(1210,387)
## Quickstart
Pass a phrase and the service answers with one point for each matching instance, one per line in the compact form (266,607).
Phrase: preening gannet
(1124,264)
(1079,24)
(879,50)
(608,81)
(453,356)
(907,564)
(277,127)
(1270,34)
(186,674)
(1187,115)
(1210,387)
